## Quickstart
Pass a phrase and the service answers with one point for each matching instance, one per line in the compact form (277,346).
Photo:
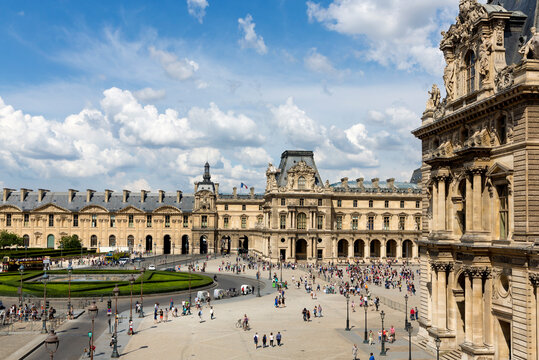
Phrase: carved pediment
(499,170)
(167,209)
(93,209)
(301,176)
(130,210)
(51,208)
(9,209)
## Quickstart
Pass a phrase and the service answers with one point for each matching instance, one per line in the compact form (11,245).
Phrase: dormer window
(301,182)
(470,72)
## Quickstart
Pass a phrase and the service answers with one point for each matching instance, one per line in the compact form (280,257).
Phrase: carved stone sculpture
(530,50)
(449,78)
(434,98)
(485,50)
(504,78)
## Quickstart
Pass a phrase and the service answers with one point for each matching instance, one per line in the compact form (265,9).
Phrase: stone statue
(484,54)
(449,78)
(434,98)
(530,50)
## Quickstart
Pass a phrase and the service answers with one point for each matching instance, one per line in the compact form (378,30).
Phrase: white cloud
(137,185)
(317,62)
(256,157)
(197,9)
(401,33)
(174,68)
(250,38)
(148,94)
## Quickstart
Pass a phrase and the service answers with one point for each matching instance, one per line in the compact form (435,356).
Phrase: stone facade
(480,171)
(297,218)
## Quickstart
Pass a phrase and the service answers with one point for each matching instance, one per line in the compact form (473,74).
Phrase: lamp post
(383,350)
(438,342)
(51,343)
(410,328)
(189,268)
(115,354)
(141,313)
(365,307)
(69,270)
(44,279)
(347,311)
(281,266)
(406,312)
(21,271)
(155,247)
(258,278)
(131,281)
(92,311)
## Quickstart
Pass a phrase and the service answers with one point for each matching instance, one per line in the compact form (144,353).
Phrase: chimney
(107,195)
(252,192)
(196,187)
(41,194)
(24,192)
(126,195)
(390,183)
(161,196)
(235,192)
(178,196)
(360,183)
(7,192)
(216,185)
(89,194)
(375,183)
(71,195)
(344,182)
(142,195)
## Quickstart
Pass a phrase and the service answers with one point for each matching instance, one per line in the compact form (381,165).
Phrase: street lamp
(21,271)
(438,342)
(131,281)
(155,247)
(51,343)
(383,350)
(281,266)
(44,279)
(269,267)
(347,311)
(410,328)
(115,354)
(258,278)
(406,312)
(141,313)
(69,311)
(92,311)
(365,307)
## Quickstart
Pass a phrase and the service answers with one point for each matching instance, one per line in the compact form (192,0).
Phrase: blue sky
(139,94)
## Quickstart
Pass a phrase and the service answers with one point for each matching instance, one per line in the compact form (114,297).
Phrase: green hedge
(20,253)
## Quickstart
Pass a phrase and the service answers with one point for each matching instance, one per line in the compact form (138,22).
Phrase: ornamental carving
(534,279)
(530,50)
(298,171)
(505,78)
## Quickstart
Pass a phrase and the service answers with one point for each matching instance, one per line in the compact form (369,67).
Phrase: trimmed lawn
(154,282)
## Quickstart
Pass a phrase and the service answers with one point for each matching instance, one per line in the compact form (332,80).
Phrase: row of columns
(534,279)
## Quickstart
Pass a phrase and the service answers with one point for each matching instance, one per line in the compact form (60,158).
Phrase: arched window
(112,240)
(501,129)
(93,241)
(302,221)
(301,182)
(470,72)
(130,241)
(26,240)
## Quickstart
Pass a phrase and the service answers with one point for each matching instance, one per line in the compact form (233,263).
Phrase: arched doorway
(149,244)
(203,244)
(26,240)
(301,249)
(112,241)
(166,244)
(50,241)
(375,249)
(225,245)
(185,244)
(342,248)
(93,241)
(407,247)
(244,244)
(359,248)
(391,249)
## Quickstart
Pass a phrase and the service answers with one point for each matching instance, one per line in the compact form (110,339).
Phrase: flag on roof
(243,186)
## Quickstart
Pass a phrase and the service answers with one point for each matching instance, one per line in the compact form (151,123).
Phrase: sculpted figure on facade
(434,98)
(271,182)
(485,49)
(530,50)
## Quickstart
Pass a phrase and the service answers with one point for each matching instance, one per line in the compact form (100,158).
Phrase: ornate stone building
(297,218)
(480,171)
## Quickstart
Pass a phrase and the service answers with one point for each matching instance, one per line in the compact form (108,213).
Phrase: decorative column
(487,308)
(366,249)
(441,203)
(434,205)
(434,291)
(383,249)
(442,295)
(477,307)
(469,204)
(398,255)
(293,244)
(468,306)
(451,303)
(351,249)
(534,279)
(477,198)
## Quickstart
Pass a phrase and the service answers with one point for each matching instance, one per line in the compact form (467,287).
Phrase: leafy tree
(10,239)
(70,242)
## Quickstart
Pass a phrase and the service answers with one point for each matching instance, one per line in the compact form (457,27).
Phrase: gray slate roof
(290,158)
(382,185)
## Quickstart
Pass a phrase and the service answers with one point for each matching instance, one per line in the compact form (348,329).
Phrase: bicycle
(239,324)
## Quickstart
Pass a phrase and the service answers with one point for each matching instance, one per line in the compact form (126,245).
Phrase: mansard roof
(399,187)
(289,159)
(114,204)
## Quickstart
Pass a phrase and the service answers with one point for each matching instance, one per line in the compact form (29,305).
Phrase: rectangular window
(148,221)
(319,202)
(226,206)
(185,221)
(259,220)
(243,207)
(167,221)
(301,202)
(113,221)
(370,223)
(339,222)
(402,204)
(283,202)
(386,222)
(417,204)
(259,207)
(355,203)
(8,220)
(26,219)
(75,220)
(130,220)
(51,220)
(339,203)
(243,222)
(504,212)
(320,222)
(418,222)
(402,222)
(386,203)
(282,220)
(94,220)
(371,203)
(204,222)
(302,221)
(225,222)
(354,222)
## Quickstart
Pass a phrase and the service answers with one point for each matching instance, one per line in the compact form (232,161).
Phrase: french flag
(243,186)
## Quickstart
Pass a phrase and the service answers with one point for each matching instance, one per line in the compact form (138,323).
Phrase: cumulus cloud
(399,32)
(176,69)
(319,63)
(197,9)
(137,185)
(250,38)
(254,156)
(148,94)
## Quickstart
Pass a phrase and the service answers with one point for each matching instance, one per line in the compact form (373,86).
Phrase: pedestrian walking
(354,352)
(264,339)
(371,337)
(372,357)
(211,312)
(278,338)
(166,315)
(200,315)
(255,339)
(271,339)
(319,310)
(416,313)
(412,314)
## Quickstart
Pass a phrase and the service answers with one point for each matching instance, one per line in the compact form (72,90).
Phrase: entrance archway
(203,245)
(342,248)
(149,243)
(185,244)
(26,240)
(50,241)
(166,244)
(391,249)
(359,248)
(225,244)
(375,249)
(407,246)
(301,249)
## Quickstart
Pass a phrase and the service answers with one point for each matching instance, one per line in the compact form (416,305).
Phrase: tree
(70,242)
(10,239)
